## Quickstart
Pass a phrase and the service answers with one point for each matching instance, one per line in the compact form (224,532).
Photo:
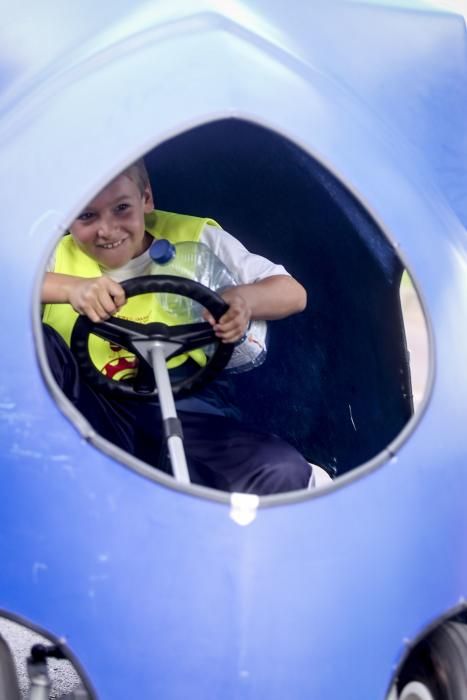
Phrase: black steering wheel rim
(120,332)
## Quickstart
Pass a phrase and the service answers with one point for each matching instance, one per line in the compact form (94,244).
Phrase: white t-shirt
(245,267)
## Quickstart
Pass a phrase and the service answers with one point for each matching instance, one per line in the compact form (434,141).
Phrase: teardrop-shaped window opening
(337,382)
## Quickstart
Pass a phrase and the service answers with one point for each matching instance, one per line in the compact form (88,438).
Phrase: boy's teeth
(112,245)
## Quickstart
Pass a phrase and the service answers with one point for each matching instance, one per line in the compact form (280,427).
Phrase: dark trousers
(222,453)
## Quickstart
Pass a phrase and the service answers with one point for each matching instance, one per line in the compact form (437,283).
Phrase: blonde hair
(138,173)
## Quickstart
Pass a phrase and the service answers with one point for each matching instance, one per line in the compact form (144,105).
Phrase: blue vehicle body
(159,591)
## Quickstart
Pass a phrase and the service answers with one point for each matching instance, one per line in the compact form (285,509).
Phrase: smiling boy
(109,242)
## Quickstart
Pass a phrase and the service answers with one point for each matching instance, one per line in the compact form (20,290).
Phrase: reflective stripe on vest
(118,363)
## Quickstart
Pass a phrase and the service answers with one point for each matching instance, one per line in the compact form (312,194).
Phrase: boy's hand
(234,323)
(98,298)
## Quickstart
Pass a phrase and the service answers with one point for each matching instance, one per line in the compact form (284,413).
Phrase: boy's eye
(84,216)
(123,207)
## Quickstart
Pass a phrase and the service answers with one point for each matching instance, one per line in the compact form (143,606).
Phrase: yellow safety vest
(114,362)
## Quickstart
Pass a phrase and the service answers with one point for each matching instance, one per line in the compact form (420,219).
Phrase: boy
(108,243)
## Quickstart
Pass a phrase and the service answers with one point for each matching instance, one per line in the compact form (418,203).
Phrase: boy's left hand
(234,323)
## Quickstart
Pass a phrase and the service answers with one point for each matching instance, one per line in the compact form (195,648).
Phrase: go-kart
(330,138)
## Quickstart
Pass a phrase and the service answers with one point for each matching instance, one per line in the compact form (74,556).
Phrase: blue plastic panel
(160,593)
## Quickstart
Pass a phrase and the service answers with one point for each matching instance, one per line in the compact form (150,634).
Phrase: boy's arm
(95,297)
(268,299)
(273,295)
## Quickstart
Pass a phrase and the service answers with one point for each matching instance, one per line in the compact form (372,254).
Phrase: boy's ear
(148,199)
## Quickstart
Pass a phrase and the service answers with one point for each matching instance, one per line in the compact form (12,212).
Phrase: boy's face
(111,228)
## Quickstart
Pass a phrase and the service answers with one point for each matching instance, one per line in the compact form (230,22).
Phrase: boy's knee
(61,361)
(283,469)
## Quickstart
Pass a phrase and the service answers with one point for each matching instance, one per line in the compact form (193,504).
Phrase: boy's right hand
(98,298)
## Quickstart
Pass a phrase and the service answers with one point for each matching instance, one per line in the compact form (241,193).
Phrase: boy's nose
(107,227)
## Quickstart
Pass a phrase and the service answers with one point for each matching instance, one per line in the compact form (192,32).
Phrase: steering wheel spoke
(117,329)
(192,335)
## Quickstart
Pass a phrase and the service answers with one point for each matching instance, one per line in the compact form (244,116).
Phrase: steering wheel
(138,338)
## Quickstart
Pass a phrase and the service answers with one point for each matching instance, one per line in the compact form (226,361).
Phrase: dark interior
(336,382)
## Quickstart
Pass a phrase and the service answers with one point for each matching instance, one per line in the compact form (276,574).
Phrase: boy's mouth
(113,244)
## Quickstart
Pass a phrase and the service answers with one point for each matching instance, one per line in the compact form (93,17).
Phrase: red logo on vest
(121,368)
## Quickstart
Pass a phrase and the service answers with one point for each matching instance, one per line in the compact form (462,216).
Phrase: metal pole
(169,412)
